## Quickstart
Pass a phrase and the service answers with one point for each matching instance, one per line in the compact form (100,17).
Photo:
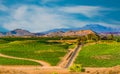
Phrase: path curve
(38,61)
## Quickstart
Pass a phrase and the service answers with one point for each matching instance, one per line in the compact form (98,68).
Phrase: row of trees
(83,39)
(93,37)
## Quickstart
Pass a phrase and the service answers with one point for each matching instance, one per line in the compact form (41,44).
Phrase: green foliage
(110,37)
(72,46)
(54,73)
(69,38)
(35,48)
(76,68)
(118,40)
(100,55)
(81,40)
(94,37)
(8,61)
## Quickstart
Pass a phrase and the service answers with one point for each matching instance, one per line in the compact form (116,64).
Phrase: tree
(78,40)
(110,37)
(89,36)
(96,38)
(118,40)
(81,40)
(76,68)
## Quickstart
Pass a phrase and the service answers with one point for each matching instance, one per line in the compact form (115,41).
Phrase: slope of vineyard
(38,49)
(100,55)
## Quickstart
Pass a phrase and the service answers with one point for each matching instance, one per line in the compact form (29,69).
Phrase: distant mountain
(38,34)
(65,31)
(19,32)
(99,28)
(94,27)
(1,34)
(70,33)
(52,34)
(78,33)
(57,30)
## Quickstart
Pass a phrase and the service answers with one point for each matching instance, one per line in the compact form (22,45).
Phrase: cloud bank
(88,11)
(41,18)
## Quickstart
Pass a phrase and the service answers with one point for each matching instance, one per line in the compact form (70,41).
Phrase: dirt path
(73,56)
(56,70)
(38,61)
(70,57)
(34,70)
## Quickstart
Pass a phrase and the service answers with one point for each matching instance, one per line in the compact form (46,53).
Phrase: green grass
(8,61)
(100,55)
(3,41)
(38,49)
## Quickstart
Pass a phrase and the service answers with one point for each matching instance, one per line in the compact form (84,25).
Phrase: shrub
(54,73)
(118,40)
(76,68)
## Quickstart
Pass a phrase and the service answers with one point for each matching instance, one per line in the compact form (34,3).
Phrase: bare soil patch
(33,70)
(55,70)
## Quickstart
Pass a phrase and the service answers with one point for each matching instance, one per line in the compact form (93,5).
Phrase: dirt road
(70,57)
(42,63)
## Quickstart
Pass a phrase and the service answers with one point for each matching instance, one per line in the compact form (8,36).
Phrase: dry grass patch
(103,57)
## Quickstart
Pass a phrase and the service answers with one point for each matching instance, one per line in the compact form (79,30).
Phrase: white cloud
(3,8)
(88,11)
(35,19)
(19,12)
(38,19)
(47,1)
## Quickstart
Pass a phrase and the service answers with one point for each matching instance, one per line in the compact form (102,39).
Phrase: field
(103,54)
(34,48)
(51,50)
(8,61)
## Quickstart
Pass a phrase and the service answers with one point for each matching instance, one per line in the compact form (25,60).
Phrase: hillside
(18,32)
(1,34)
(66,31)
(70,33)
(21,32)
(94,27)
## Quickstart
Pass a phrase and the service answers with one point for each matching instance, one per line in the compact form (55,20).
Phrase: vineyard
(38,49)
(8,61)
(103,54)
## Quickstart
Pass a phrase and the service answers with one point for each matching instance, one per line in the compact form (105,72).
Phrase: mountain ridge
(93,27)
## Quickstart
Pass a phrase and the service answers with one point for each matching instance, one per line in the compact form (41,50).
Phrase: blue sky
(43,15)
